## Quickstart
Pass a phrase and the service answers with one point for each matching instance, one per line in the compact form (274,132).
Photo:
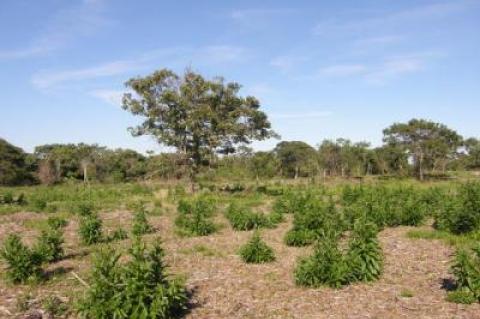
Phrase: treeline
(417,148)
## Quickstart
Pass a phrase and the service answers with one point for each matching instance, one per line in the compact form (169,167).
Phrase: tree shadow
(58,271)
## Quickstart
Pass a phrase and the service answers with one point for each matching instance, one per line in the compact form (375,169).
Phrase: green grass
(457,241)
(64,197)
(202,250)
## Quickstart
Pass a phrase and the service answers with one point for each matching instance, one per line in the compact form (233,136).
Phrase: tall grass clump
(257,251)
(23,263)
(194,216)
(461,213)
(466,269)
(139,288)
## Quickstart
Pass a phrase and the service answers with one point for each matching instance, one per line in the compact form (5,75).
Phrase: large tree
(296,158)
(428,143)
(13,167)
(198,117)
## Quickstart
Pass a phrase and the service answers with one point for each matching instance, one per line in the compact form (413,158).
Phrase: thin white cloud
(47,79)
(112,97)
(63,28)
(417,14)
(286,63)
(220,54)
(216,55)
(394,68)
(252,17)
(343,70)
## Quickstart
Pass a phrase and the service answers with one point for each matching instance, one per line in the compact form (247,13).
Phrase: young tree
(198,117)
(425,141)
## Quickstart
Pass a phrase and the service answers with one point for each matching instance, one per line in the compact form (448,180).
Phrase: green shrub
(461,213)
(257,251)
(466,269)
(49,245)
(90,229)
(326,267)
(300,238)
(118,234)
(22,262)
(364,256)
(38,204)
(313,218)
(140,288)
(140,223)
(56,222)
(242,218)
(84,208)
(194,216)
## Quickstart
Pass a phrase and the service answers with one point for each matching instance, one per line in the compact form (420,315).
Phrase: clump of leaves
(257,251)
(364,256)
(140,223)
(194,216)
(242,218)
(326,267)
(300,238)
(466,269)
(90,229)
(140,288)
(56,222)
(23,263)
(84,208)
(464,296)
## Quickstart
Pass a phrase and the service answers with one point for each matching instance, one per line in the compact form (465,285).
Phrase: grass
(458,241)
(202,250)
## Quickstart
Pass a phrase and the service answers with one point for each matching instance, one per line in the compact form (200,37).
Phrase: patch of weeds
(54,306)
(194,217)
(465,297)
(201,250)
(140,224)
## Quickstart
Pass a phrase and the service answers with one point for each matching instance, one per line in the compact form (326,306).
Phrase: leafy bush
(140,223)
(49,245)
(364,256)
(90,229)
(326,267)
(466,269)
(257,251)
(242,218)
(23,263)
(194,216)
(461,213)
(313,218)
(140,288)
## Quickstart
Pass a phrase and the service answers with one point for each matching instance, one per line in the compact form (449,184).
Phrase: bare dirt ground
(225,287)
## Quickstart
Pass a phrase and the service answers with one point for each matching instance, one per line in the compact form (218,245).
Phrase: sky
(321,69)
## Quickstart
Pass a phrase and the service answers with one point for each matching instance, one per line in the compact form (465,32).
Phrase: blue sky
(322,69)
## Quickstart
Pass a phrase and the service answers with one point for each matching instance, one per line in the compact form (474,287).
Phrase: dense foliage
(139,288)
(23,263)
(466,269)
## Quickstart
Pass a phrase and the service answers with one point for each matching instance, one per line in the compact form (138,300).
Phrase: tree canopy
(428,143)
(198,117)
